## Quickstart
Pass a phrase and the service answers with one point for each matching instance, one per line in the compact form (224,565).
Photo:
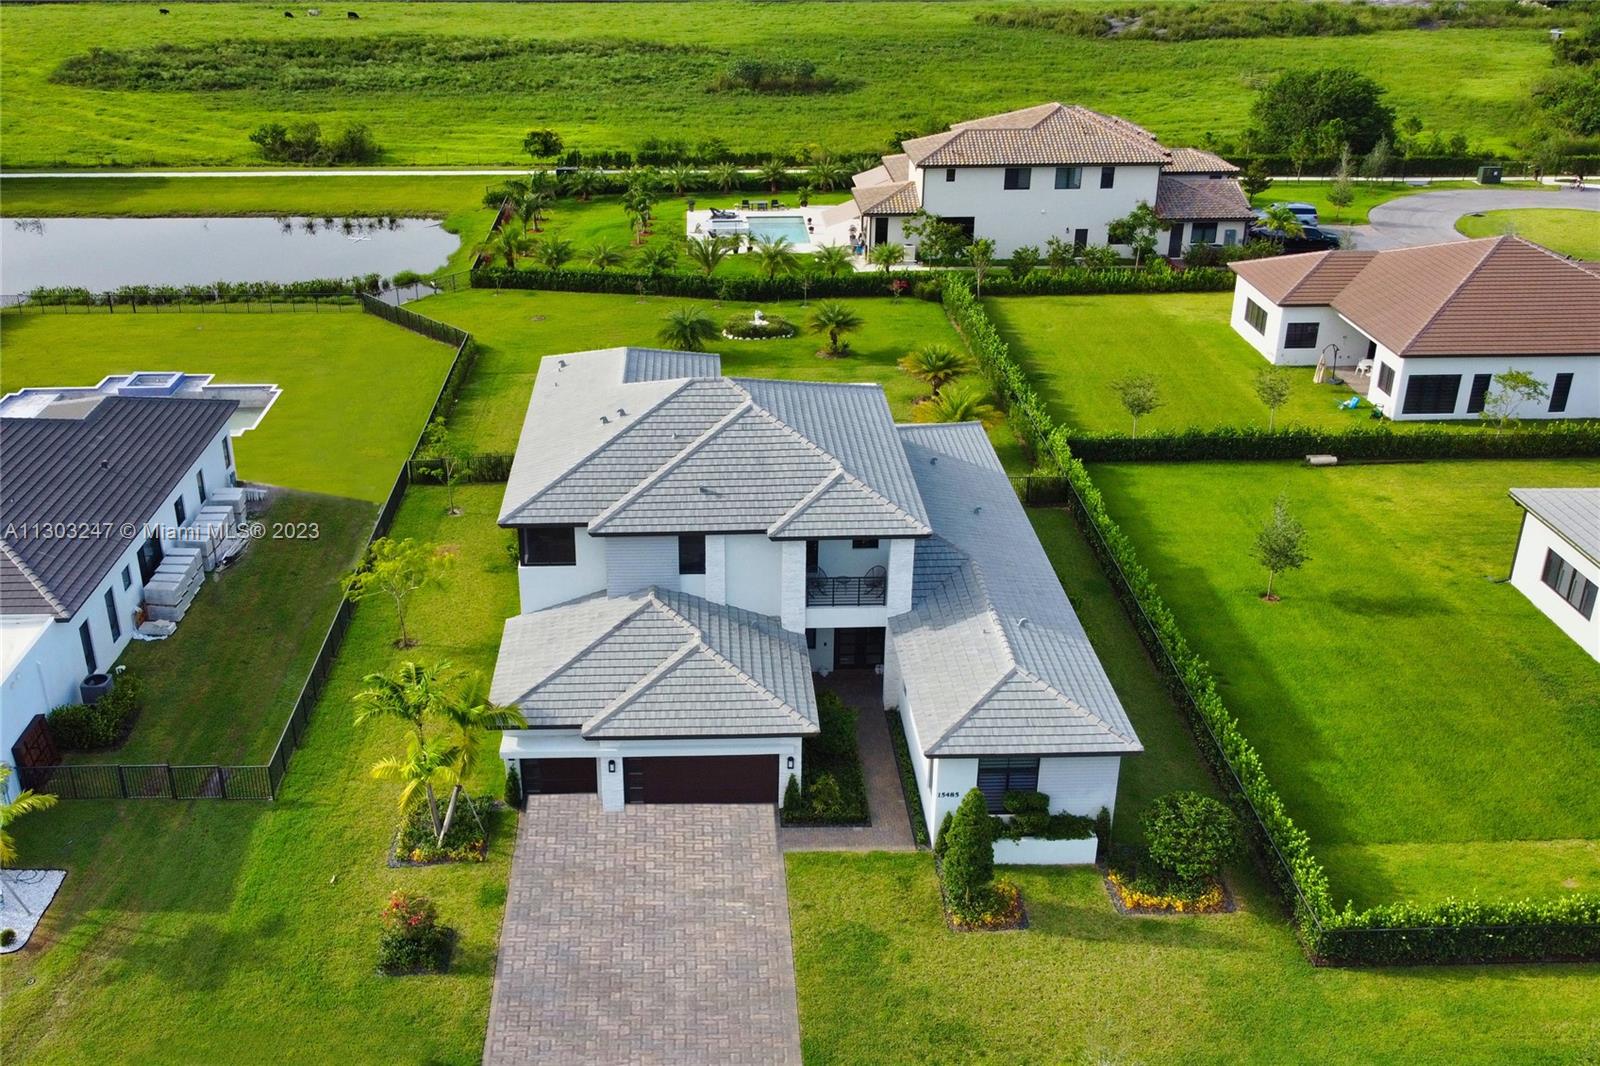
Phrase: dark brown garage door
(545,777)
(702,779)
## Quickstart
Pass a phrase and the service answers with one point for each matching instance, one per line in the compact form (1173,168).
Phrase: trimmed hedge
(103,724)
(1453,931)
(1085,281)
(217,292)
(1534,440)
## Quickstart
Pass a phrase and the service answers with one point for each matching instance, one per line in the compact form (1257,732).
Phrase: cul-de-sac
(720,532)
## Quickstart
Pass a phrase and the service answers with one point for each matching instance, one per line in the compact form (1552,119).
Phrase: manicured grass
(1368,194)
(516,328)
(881,979)
(1074,347)
(1570,231)
(355,388)
(218,931)
(908,62)
(220,689)
(1427,726)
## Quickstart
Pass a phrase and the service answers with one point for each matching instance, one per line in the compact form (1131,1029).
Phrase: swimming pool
(771,227)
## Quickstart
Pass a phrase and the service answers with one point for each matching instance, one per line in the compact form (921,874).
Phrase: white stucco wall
(837,558)
(753,573)
(634,563)
(546,586)
(1582,402)
(1080,784)
(1331,329)
(902,559)
(822,653)
(792,587)
(1012,217)
(1526,576)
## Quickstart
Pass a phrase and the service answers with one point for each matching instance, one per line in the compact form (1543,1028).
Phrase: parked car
(1306,213)
(1311,239)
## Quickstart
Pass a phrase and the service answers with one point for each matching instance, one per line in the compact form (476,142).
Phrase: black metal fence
(149,781)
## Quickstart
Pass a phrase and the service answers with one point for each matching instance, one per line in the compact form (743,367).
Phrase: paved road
(1430,217)
(654,934)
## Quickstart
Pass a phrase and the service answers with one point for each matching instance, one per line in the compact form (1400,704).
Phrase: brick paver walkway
(655,934)
(886,799)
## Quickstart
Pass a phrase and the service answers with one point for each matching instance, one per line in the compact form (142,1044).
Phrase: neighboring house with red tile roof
(1432,324)
(1053,170)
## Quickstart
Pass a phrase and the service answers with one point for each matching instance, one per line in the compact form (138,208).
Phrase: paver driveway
(655,934)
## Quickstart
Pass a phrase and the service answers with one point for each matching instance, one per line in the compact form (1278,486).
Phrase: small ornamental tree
(1025,259)
(1281,219)
(1376,164)
(1255,179)
(513,786)
(1342,193)
(968,863)
(834,319)
(980,253)
(1190,838)
(395,569)
(1280,545)
(438,446)
(1272,388)
(937,364)
(791,796)
(1510,390)
(1137,229)
(942,836)
(542,144)
(1058,254)
(1139,394)
(688,329)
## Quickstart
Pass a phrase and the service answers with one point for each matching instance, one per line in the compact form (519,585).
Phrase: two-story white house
(1425,329)
(1051,171)
(693,547)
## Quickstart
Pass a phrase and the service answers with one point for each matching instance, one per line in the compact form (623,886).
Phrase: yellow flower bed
(1133,899)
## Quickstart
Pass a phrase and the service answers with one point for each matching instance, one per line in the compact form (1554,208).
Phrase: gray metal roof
(112,465)
(706,454)
(655,664)
(993,656)
(1574,515)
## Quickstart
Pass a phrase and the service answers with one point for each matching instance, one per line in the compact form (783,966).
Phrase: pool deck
(827,223)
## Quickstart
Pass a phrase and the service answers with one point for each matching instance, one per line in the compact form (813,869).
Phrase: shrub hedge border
(1553,440)
(1454,931)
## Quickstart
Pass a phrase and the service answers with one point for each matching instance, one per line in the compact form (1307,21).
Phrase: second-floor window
(1069,177)
(1108,177)
(692,553)
(548,545)
(864,543)
(1019,177)
(179,511)
(949,173)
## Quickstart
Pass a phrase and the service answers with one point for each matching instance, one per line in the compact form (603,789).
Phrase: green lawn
(1368,195)
(355,388)
(1428,727)
(220,689)
(882,980)
(904,63)
(516,328)
(245,932)
(1570,231)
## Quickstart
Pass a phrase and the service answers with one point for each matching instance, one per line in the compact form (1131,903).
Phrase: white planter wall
(1032,851)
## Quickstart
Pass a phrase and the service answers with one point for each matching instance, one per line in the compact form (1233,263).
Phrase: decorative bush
(792,799)
(1552,440)
(466,841)
(105,724)
(908,778)
(411,941)
(745,327)
(835,789)
(941,839)
(1140,896)
(1190,836)
(7,937)
(968,862)
(513,786)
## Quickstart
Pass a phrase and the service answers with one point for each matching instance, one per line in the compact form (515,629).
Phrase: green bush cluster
(411,939)
(514,795)
(466,840)
(1448,932)
(908,778)
(1031,817)
(835,789)
(217,292)
(1075,280)
(303,142)
(1543,440)
(1190,836)
(103,724)
(746,327)
(780,77)
(474,467)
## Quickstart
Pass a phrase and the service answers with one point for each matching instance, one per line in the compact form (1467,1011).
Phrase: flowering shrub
(467,840)
(1137,898)
(412,941)
(999,908)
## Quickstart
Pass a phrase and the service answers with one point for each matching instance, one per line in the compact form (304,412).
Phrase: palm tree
(937,364)
(834,319)
(639,205)
(688,329)
(425,766)
(407,694)
(775,257)
(707,253)
(508,243)
(773,172)
(553,252)
(468,716)
(724,176)
(603,255)
(682,178)
(960,403)
(584,182)
(656,259)
(832,260)
(531,207)
(887,256)
(826,174)
(27,802)
(1279,217)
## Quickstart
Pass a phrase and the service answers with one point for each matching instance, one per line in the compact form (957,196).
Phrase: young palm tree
(467,716)
(531,207)
(27,802)
(960,403)
(832,260)
(723,176)
(553,252)
(775,257)
(603,255)
(656,259)
(834,319)
(937,364)
(688,329)
(406,695)
(887,256)
(583,183)
(772,173)
(1279,217)
(509,243)
(707,253)
(826,174)
(425,766)
(682,178)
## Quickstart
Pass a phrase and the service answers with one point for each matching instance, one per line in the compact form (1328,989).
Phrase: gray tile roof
(655,664)
(665,364)
(1182,198)
(115,464)
(994,658)
(1574,515)
(707,454)
(1045,135)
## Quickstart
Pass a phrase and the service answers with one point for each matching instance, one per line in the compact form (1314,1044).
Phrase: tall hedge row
(1453,931)
(1555,440)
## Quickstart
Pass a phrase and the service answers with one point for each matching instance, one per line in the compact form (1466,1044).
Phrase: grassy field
(208,931)
(515,329)
(355,388)
(882,980)
(610,75)
(1569,231)
(1427,726)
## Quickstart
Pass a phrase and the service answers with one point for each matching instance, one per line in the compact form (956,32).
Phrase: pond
(101,254)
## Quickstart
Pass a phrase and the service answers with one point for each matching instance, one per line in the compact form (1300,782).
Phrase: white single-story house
(1052,170)
(96,483)
(1557,561)
(693,547)
(1425,329)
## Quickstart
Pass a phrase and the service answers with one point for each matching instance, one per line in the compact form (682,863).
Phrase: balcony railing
(846,591)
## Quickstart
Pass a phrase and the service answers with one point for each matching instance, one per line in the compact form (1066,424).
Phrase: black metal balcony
(869,591)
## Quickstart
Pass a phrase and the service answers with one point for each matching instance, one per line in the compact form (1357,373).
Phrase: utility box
(1489,175)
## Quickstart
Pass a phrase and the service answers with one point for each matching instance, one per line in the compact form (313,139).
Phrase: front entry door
(1175,242)
(880,230)
(854,648)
